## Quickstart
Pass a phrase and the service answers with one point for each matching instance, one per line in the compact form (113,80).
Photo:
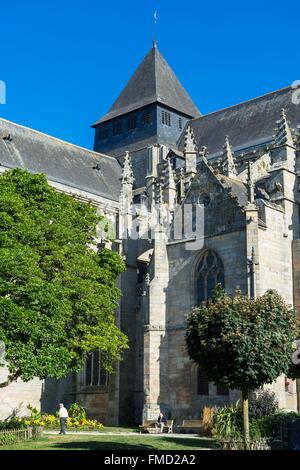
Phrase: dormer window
(180,123)
(166,118)
(132,123)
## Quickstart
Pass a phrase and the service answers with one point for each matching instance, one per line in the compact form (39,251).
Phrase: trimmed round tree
(58,293)
(242,343)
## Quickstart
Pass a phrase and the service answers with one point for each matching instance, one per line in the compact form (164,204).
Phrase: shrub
(208,419)
(261,427)
(12,422)
(228,422)
(263,403)
(276,422)
(77,411)
(6,439)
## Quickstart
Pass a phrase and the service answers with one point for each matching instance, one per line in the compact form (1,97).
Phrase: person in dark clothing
(161,421)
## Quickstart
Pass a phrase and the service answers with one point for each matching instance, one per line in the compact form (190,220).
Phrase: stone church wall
(276,272)
(15,397)
(184,403)
(45,395)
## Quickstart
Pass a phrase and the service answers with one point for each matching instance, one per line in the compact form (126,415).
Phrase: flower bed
(77,420)
(37,422)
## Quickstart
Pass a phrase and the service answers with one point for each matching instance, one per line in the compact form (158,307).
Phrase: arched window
(202,382)
(94,374)
(210,273)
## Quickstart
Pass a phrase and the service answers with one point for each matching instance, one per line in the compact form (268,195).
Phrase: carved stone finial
(228,165)
(203,154)
(189,141)
(181,185)
(158,193)
(127,173)
(169,181)
(250,182)
(283,135)
(283,148)
(190,154)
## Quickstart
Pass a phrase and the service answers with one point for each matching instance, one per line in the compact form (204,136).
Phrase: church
(155,153)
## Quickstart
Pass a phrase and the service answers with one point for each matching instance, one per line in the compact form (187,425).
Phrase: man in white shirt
(63,415)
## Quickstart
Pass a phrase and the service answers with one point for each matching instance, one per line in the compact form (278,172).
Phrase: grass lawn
(73,442)
(114,429)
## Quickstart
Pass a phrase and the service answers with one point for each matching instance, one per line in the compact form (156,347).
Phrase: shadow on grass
(192,443)
(97,445)
(179,443)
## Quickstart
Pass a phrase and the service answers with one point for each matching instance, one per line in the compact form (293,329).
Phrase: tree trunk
(245,398)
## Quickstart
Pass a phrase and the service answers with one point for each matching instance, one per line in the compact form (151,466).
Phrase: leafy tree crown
(242,343)
(58,294)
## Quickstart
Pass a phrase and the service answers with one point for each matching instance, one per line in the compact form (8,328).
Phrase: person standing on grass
(63,415)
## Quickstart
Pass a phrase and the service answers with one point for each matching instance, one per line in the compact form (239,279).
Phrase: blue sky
(64,62)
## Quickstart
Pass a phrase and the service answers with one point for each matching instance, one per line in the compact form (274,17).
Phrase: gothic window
(117,128)
(147,118)
(132,122)
(166,118)
(95,375)
(202,382)
(210,273)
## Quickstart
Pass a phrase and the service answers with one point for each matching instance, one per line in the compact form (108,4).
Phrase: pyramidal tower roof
(153,82)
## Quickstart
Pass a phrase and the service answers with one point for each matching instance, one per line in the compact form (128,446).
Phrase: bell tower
(152,109)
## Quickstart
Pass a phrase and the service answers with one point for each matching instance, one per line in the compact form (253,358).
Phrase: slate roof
(248,125)
(62,162)
(237,188)
(153,81)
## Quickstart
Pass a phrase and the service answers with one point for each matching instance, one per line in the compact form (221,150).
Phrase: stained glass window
(210,273)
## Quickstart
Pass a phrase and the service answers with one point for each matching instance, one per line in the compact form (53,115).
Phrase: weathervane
(155,20)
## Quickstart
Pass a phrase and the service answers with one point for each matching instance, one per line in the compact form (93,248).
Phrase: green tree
(242,343)
(58,294)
